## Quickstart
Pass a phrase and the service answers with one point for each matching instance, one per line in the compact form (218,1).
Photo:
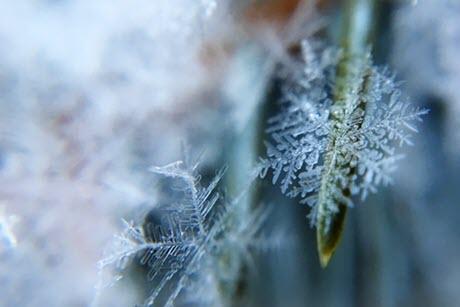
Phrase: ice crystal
(344,148)
(191,245)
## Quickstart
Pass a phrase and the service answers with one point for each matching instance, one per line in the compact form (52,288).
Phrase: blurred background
(93,93)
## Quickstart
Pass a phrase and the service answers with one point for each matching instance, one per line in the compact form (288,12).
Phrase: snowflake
(328,152)
(191,246)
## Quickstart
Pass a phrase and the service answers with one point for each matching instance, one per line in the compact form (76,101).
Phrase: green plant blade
(328,237)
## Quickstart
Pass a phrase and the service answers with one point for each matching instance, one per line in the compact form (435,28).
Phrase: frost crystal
(342,149)
(189,246)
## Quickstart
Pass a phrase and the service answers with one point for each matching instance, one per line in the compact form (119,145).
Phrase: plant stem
(358,19)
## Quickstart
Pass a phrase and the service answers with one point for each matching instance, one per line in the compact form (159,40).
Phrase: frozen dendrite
(333,151)
(191,247)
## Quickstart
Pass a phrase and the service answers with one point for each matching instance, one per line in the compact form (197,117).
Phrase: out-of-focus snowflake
(429,33)
(90,92)
(8,239)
